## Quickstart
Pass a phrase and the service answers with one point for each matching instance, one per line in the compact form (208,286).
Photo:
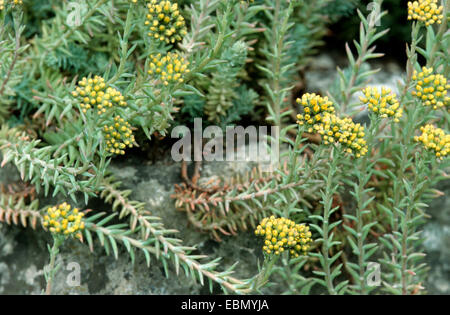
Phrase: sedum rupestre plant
(79,88)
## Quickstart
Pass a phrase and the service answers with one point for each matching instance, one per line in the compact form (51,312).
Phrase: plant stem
(365,50)
(218,45)
(293,158)
(359,228)
(412,58)
(54,251)
(276,63)
(16,54)
(328,203)
(363,179)
(438,40)
(405,234)
(404,256)
(278,37)
(72,29)
(266,271)
(195,27)
(412,115)
(124,48)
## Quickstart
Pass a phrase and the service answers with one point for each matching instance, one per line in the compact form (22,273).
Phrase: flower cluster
(314,108)
(64,220)
(319,117)
(426,11)
(93,92)
(431,88)
(382,103)
(344,131)
(283,234)
(169,68)
(118,136)
(435,139)
(165,21)
(13,2)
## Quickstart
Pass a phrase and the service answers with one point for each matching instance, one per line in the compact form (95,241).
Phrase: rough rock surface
(321,74)
(437,243)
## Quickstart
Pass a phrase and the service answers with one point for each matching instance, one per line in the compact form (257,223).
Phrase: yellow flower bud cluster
(314,108)
(344,131)
(165,21)
(431,88)
(64,220)
(13,3)
(169,68)
(435,139)
(94,92)
(118,136)
(426,11)
(382,103)
(319,117)
(283,234)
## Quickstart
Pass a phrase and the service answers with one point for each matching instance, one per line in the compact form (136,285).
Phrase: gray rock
(23,253)
(437,243)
